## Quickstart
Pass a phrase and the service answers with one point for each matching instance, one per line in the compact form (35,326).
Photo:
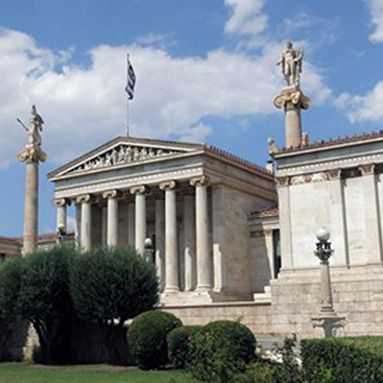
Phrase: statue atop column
(291,64)
(32,155)
(291,98)
(33,151)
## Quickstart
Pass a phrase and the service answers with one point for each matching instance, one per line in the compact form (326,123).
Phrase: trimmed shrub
(234,335)
(147,338)
(343,360)
(178,345)
(221,351)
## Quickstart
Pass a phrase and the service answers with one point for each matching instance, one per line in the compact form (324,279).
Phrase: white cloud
(363,108)
(247,17)
(376,11)
(85,106)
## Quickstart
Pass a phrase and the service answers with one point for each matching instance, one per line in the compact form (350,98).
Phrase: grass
(26,373)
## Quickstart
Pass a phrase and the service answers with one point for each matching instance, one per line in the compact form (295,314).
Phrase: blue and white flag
(131,81)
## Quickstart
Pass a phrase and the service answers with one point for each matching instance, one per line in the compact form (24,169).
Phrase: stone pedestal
(292,100)
(328,326)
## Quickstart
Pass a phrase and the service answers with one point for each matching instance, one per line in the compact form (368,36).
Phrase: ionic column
(61,221)
(139,192)
(372,216)
(104,225)
(189,242)
(131,224)
(86,221)
(171,254)
(160,239)
(112,217)
(78,224)
(204,264)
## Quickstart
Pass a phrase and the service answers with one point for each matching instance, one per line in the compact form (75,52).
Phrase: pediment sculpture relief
(122,155)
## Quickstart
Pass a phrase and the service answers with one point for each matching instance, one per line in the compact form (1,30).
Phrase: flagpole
(127,100)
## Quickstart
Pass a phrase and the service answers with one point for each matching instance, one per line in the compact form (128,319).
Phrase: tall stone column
(204,263)
(139,192)
(61,220)
(372,214)
(131,224)
(78,224)
(86,221)
(104,225)
(32,155)
(112,217)
(171,253)
(160,239)
(189,242)
(293,101)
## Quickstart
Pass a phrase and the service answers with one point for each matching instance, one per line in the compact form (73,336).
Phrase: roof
(41,238)
(186,146)
(356,138)
(265,213)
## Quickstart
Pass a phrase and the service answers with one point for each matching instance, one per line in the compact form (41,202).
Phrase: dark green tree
(10,319)
(45,298)
(110,285)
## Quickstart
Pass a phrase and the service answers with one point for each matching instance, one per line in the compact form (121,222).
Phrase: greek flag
(131,81)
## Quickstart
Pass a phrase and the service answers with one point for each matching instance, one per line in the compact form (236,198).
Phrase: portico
(181,196)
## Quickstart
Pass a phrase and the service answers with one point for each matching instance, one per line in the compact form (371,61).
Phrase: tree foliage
(113,283)
(10,280)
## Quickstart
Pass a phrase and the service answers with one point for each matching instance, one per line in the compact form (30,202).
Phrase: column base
(171,290)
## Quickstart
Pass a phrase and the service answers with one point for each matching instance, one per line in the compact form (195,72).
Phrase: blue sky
(206,72)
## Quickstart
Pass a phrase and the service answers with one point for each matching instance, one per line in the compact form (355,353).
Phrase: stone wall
(295,299)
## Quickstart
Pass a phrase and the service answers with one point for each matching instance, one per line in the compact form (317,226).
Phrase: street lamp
(149,248)
(323,252)
(328,321)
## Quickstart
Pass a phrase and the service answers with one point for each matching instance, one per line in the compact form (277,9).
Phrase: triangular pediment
(124,151)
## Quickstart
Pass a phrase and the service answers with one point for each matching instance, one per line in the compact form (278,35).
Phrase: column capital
(111,194)
(367,169)
(84,198)
(138,189)
(334,174)
(283,180)
(168,185)
(61,201)
(200,181)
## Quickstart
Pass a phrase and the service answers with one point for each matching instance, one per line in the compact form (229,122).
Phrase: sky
(206,72)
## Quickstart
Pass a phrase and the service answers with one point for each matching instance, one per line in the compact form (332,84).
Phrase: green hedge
(179,344)
(147,338)
(343,360)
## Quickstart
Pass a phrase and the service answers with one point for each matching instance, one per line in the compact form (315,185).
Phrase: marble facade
(192,200)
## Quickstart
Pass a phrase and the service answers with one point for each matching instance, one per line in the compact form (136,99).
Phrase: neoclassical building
(191,200)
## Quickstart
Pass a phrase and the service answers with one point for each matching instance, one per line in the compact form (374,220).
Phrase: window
(276,252)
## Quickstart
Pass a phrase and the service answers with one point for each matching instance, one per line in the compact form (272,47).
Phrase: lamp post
(149,248)
(323,252)
(328,320)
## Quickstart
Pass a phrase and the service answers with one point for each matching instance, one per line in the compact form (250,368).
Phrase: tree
(45,297)
(111,285)
(10,275)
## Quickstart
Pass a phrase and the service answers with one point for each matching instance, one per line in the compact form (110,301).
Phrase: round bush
(234,336)
(221,351)
(179,344)
(147,338)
